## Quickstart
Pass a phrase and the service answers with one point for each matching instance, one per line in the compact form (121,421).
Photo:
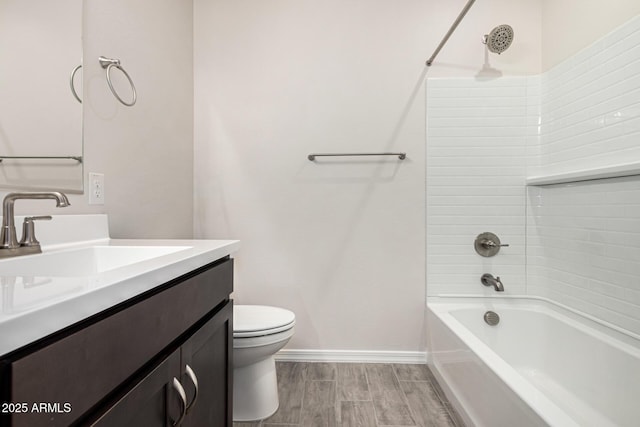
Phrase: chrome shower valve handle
(488,244)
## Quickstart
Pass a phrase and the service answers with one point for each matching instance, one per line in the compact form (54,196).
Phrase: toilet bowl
(258,333)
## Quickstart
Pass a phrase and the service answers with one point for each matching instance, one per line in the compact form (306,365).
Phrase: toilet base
(255,391)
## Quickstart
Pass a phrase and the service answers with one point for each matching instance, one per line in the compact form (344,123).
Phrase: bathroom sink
(86,261)
(82,271)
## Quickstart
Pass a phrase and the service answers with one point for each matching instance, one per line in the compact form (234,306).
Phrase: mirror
(40,119)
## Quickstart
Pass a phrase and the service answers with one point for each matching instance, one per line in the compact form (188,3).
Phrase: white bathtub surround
(584,248)
(477,133)
(588,174)
(580,120)
(541,365)
(582,238)
(590,116)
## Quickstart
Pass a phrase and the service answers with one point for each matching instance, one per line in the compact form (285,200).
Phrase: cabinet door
(208,353)
(151,402)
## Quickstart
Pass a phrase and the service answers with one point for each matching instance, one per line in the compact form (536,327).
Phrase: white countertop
(32,307)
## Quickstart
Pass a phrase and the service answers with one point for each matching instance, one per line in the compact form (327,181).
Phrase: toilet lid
(255,320)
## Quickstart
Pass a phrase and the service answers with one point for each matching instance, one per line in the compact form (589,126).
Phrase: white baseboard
(353,356)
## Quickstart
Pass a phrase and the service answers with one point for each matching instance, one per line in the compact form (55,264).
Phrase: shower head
(499,39)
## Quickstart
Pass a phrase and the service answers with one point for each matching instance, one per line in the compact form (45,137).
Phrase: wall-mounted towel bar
(76,158)
(312,157)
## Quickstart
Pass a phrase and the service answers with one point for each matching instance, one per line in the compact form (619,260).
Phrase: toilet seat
(258,320)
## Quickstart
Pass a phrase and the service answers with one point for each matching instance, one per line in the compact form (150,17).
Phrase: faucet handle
(29,231)
(487,244)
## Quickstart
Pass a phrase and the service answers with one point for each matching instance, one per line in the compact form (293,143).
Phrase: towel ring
(108,64)
(72,84)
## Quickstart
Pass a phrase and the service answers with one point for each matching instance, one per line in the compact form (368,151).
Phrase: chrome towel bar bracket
(313,156)
(108,64)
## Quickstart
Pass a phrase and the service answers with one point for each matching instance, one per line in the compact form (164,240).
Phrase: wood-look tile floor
(358,394)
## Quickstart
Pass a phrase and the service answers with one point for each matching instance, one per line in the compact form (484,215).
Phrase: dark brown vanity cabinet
(137,364)
(157,399)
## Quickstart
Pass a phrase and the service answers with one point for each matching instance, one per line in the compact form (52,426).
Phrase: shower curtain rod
(451,30)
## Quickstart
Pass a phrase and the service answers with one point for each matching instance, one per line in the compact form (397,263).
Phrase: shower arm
(451,30)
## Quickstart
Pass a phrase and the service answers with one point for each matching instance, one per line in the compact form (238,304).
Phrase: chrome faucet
(488,280)
(9,245)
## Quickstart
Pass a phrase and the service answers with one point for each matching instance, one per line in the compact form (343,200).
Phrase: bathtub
(542,364)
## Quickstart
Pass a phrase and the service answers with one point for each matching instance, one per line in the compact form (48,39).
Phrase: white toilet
(258,333)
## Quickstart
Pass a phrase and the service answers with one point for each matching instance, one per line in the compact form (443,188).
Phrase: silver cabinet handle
(183,397)
(194,380)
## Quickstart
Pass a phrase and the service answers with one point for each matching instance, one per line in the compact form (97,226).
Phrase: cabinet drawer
(83,367)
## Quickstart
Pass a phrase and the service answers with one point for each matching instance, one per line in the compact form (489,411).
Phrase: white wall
(145,152)
(340,242)
(569,26)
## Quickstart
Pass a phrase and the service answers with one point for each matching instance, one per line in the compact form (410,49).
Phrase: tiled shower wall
(581,246)
(590,109)
(583,239)
(477,133)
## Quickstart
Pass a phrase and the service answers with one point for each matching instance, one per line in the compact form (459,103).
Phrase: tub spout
(488,280)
